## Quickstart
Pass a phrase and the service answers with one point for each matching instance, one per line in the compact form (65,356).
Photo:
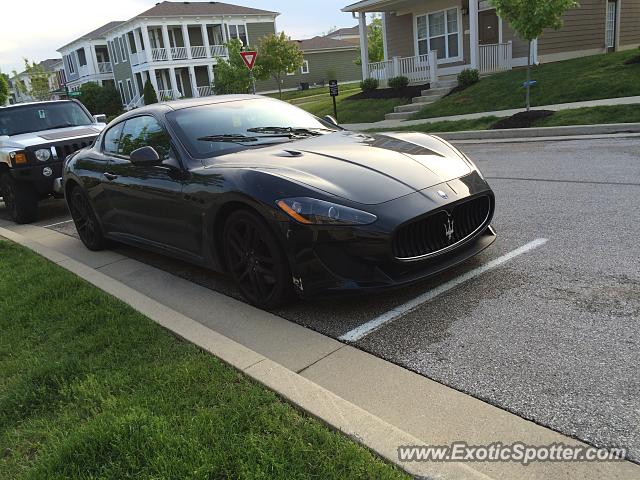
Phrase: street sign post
(74,93)
(249,59)
(334,91)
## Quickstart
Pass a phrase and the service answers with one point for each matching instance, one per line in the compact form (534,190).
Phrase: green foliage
(399,82)
(99,99)
(468,77)
(4,88)
(529,18)
(232,75)
(369,84)
(375,41)
(277,55)
(331,74)
(149,93)
(38,80)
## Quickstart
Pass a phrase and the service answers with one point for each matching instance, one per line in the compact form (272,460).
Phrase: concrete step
(426,100)
(410,107)
(399,115)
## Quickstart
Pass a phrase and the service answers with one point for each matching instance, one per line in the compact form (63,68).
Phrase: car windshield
(219,128)
(41,116)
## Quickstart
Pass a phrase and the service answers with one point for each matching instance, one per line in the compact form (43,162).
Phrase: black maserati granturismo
(281,200)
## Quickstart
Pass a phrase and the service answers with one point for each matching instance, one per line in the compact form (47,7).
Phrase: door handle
(110,176)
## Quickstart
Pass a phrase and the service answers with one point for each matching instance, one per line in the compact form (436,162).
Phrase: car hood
(362,168)
(48,136)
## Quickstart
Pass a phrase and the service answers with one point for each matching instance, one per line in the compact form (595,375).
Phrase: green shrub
(99,99)
(369,85)
(150,95)
(399,82)
(468,77)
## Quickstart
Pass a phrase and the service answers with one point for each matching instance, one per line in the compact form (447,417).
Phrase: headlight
(312,211)
(43,154)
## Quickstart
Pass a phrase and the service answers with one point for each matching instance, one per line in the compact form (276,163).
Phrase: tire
(21,199)
(85,220)
(255,260)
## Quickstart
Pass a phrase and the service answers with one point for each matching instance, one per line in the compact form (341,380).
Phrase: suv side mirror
(100,118)
(145,156)
(330,119)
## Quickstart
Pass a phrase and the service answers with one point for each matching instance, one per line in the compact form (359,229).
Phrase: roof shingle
(170,9)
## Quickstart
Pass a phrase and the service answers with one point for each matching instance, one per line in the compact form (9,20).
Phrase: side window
(112,139)
(144,131)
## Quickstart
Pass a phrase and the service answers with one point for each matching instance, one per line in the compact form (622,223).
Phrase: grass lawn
(574,116)
(90,389)
(587,78)
(354,111)
(295,94)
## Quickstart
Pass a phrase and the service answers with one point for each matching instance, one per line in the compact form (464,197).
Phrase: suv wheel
(21,199)
(85,220)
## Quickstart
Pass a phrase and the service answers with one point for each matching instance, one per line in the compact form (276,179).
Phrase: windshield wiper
(236,138)
(289,130)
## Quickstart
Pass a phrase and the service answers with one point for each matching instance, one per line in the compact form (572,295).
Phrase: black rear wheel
(85,220)
(20,198)
(256,261)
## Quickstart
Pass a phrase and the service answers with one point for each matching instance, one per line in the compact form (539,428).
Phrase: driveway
(545,323)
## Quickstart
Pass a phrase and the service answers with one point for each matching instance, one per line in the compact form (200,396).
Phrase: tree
(278,55)
(375,41)
(232,75)
(4,88)
(149,93)
(39,80)
(100,99)
(529,18)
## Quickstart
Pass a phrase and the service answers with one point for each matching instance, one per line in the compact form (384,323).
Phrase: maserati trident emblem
(442,194)
(448,229)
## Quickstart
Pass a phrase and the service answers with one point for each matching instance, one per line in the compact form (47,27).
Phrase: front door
(146,201)
(488,27)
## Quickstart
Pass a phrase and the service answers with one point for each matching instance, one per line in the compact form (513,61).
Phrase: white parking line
(56,224)
(372,325)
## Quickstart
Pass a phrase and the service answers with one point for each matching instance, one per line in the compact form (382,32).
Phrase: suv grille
(64,151)
(441,230)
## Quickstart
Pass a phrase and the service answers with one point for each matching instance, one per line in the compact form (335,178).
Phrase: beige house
(425,39)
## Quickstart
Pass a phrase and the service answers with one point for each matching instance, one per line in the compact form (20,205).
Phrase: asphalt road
(552,335)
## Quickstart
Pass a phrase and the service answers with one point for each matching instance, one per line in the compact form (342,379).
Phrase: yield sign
(249,59)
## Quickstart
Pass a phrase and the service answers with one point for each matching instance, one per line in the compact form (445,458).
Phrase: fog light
(47,172)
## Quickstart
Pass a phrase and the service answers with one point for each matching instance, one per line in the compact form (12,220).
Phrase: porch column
(186,40)
(147,44)
(473,28)
(384,36)
(364,45)
(152,78)
(136,41)
(172,81)
(165,40)
(192,79)
(225,40)
(205,39)
(94,59)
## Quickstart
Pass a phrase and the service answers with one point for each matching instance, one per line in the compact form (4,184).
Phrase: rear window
(42,116)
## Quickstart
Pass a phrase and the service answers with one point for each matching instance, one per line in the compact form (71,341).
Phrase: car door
(146,201)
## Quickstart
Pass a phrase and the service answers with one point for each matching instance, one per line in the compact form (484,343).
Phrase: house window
(610,29)
(82,57)
(122,49)
(130,88)
(114,52)
(122,96)
(305,67)
(439,31)
(239,32)
(72,69)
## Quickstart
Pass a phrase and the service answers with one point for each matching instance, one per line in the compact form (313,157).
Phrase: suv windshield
(41,116)
(219,128)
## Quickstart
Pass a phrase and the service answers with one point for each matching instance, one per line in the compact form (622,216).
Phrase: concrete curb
(340,414)
(545,132)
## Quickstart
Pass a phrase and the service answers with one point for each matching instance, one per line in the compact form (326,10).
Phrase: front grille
(441,230)
(63,151)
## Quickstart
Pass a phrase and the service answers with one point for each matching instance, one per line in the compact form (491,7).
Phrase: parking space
(550,333)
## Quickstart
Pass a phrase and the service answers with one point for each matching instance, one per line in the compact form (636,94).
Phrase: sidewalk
(375,402)
(499,113)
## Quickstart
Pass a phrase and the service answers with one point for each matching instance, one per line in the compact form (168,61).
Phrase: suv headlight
(43,154)
(312,211)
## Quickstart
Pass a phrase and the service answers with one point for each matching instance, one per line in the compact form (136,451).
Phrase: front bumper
(34,175)
(332,260)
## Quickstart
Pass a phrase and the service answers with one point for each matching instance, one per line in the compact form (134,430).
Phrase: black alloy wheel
(256,261)
(20,199)
(85,220)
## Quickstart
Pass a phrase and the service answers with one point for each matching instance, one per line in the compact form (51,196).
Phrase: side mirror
(145,156)
(100,118)
(330,119)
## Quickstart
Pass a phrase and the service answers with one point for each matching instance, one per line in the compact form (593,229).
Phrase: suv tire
(21,199)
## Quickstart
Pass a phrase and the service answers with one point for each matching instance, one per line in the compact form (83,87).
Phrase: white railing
(179,53)
(83,71)
(159,54)
(198,51)
(134,58)
(219,51)
(205,91)
(166,95)
(105,67)
(497,57)
(418,69)
(134,103)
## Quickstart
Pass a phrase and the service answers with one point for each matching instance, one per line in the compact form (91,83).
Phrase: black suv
(35,139)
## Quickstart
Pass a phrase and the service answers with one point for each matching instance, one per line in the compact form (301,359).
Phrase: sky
(36,28)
